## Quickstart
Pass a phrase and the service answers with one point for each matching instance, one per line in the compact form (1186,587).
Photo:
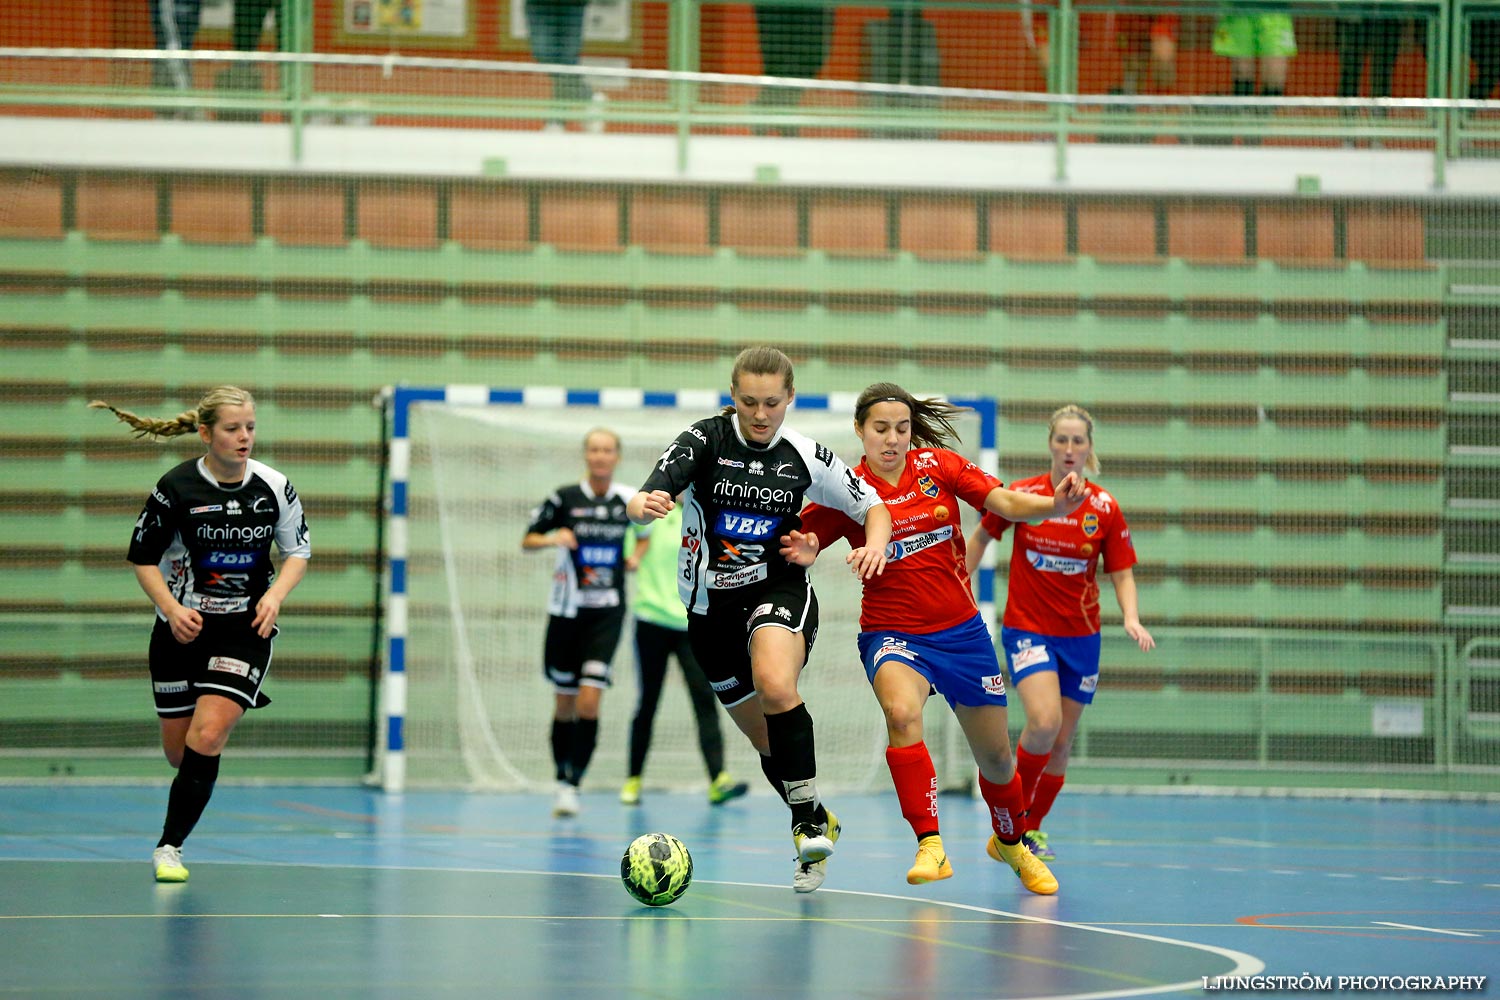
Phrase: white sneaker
(565,801)
(168,862)
(808,875)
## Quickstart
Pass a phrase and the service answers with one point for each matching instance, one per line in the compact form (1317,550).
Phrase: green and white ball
(656,868)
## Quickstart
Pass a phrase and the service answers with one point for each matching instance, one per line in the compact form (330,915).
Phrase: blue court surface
(343,892)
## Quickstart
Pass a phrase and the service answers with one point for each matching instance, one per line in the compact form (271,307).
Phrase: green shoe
(723,788)
(1037,841)
(630,792)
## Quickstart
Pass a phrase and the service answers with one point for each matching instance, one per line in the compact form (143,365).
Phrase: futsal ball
(656,868)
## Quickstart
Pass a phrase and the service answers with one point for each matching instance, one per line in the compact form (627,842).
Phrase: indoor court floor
(344,892)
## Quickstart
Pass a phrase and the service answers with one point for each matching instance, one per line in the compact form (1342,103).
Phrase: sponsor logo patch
(169,687)
(1056,564)
(916,543)
(739,578)
(1030,656)
(993,684)
(229,665)
(1089,683)
(722,686)
(212,508)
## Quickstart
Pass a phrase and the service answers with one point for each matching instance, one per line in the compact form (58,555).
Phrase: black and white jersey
(740,498)
(592,575)
(212,542)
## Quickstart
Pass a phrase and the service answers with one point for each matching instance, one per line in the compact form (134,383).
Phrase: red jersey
(1052,564)
(924,587)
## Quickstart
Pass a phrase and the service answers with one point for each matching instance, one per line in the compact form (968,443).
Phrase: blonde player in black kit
(201,551)
(752,615)
(587,525)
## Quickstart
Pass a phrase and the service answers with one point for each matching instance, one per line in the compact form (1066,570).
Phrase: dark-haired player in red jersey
(1050,632)
(919,626)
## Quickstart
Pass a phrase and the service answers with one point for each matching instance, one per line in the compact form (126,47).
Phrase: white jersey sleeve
(834,484)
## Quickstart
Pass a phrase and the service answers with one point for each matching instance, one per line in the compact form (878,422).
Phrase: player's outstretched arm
(978,544)
(1124,581)
(562,538)
(869,559)
(268,608)
(799,549)
(184,622)
(1033,507)
(643,508)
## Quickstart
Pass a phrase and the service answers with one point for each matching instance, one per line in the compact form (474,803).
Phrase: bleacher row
(1269,376)
(423,214)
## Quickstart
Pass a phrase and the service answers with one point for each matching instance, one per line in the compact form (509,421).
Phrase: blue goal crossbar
(393,695)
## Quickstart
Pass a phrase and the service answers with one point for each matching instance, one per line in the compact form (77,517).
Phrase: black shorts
(578,650)
(721,638)
(226,659)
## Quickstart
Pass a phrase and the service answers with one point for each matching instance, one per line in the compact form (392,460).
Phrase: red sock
(1029,765)
(916,786)
(1006,807)
(1047,787)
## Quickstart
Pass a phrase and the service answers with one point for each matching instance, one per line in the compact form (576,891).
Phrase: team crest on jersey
(1091,524)
(927,486)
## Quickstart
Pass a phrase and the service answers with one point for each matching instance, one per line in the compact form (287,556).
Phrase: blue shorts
(1074,658)
(959,661)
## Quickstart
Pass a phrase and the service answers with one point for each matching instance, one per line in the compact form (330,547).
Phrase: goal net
(468,605)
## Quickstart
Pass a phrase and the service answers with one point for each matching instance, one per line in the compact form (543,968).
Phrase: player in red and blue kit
(1050,631)
(920,629)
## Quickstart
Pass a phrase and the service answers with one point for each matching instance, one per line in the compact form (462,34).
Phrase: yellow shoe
(814,842)
(723,788)
(931,864)
(168,862)
(1033,874)
(630,792)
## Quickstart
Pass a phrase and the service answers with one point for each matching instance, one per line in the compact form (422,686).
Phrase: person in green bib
(660,632)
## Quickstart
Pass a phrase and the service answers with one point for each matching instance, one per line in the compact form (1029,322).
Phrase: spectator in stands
(1264,41)
(201,552)
(555,28)
(586,523)
(1147,44)
(793,43)
(249,24)
(174,25)
(752,615)
(661,631)
(1376,39)
(919,628)
(1050,633)
(1484,48)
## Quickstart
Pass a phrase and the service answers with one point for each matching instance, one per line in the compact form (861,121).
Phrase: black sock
(770,773)
(585,738)
(1244,88)
(191,790)
(794,761)
(562,747)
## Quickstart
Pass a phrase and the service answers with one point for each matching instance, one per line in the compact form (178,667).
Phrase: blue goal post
(689,403)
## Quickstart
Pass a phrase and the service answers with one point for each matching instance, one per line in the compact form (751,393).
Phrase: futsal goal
(464,700)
